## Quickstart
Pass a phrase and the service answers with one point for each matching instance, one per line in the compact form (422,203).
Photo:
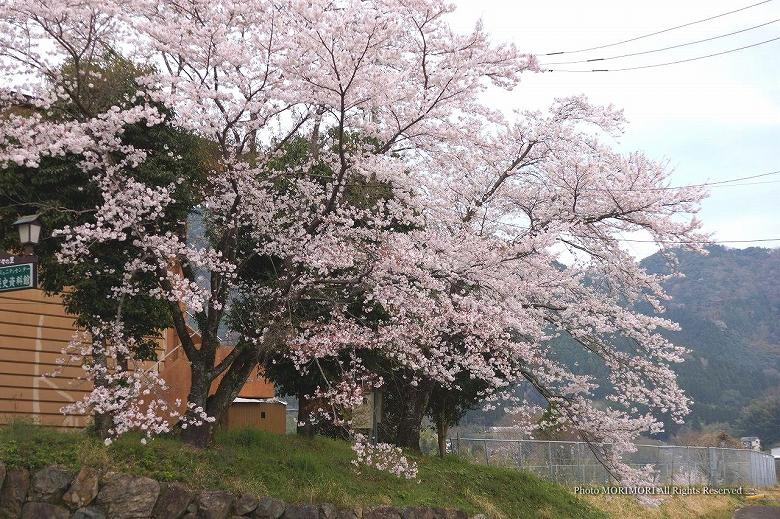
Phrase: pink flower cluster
(126,390)
(384,457)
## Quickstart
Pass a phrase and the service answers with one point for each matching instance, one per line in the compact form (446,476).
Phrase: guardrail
(574,463)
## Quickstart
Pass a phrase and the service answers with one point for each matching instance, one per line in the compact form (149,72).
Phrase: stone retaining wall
(55,492)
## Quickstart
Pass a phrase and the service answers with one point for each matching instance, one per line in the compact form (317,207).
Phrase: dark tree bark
(198,396)
(198,436)
(103,421)
(442,427)
(305,408)
(415,402)
(216,404)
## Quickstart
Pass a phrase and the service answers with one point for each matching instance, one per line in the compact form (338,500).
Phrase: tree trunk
(215,405)
(231,384)
(198,436)
(103,421)
(410,423)
(441,434)
(305,407)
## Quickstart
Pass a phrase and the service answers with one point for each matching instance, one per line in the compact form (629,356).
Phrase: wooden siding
(34,330)
(250,414)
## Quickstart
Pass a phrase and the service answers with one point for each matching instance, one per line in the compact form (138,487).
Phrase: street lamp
(29,228)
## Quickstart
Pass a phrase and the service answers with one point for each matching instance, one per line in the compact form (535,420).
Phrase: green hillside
(728,305)
(297,469)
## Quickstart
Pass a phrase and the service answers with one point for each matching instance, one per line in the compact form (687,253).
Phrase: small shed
(775,451)
(266,414)
(751,442)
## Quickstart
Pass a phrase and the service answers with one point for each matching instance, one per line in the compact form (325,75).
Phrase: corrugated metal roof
(274,400)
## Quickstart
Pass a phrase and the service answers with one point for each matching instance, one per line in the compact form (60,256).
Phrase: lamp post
(376,415)
(21,272)
(29,228)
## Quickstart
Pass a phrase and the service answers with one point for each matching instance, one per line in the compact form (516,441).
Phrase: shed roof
(274,400)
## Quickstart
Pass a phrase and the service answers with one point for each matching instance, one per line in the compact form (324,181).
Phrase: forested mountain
(728,305)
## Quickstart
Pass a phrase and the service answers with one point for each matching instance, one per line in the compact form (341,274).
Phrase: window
(262,415)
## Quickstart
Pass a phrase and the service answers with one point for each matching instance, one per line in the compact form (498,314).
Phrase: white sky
(712,119)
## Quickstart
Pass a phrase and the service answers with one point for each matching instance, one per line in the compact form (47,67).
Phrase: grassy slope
(299,470)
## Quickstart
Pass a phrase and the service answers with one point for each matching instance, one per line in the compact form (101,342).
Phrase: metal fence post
(549,461)
(688,462)
(487,455)
(520,454)
(711,466)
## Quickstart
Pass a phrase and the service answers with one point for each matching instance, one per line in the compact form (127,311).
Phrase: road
(758,512)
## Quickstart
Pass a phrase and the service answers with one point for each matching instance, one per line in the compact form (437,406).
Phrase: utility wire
(668,188)
(719,183)
(629,240)
(713,242)
(748,183)
(669,62)
(664,48)
(657,32)
(741,178)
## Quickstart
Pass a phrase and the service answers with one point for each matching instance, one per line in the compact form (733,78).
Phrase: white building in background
(751,442)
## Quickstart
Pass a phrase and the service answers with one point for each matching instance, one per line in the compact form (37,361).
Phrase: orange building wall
(177,375)
(176,372)
(34,329)
(245,414)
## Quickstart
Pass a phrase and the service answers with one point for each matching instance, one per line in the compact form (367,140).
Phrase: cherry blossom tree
(363,200)
(62,195)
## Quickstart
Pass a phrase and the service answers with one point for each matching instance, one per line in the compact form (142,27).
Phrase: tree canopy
(482,207)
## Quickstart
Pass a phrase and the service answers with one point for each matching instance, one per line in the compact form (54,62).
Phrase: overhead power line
(669,62)
(719,183)
(742,178)
(670,188)
(702,242)
(663,48)
(658,32)
(748,183)
(630,240)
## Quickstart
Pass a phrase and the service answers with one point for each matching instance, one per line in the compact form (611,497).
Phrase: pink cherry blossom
(481,209)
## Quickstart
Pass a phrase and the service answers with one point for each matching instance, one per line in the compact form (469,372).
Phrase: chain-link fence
(574,462)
